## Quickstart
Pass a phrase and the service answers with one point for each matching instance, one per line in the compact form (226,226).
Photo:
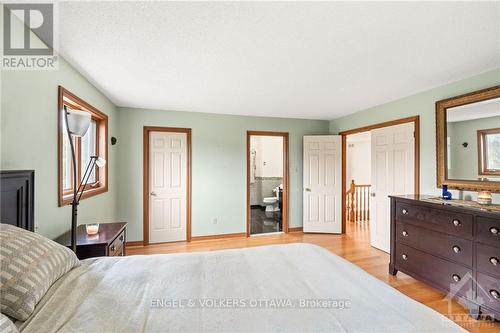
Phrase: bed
(263,289)
(281,288)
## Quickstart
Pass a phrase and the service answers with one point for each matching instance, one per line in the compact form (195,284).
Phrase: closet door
(322,184)
(393,173)
(168,186)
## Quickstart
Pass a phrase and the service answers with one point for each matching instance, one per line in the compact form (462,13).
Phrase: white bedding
(139,294)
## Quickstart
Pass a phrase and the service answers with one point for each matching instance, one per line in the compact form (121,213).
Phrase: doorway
(167,185)
(358,182)
(267,182)
(378,161)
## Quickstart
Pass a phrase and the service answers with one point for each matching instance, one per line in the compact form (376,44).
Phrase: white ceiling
(479,110)
(286,59)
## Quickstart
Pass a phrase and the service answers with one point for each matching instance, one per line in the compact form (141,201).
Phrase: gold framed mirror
(468,141)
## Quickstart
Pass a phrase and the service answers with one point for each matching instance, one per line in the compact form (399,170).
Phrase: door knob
(153,194)
(372,194)
(308,190)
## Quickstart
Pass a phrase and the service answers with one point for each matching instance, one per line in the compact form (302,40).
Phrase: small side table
(109,241)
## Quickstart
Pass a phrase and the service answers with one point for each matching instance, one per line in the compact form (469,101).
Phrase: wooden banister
(358,202)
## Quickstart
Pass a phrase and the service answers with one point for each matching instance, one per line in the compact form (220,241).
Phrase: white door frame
(344,134)
(146,196)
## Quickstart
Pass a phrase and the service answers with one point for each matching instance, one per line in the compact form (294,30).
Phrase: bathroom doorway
(267,182)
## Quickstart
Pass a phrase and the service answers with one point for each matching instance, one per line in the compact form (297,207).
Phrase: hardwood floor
(353,246)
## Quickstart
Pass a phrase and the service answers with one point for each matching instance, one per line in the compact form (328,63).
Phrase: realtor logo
(463,286)
(28,36)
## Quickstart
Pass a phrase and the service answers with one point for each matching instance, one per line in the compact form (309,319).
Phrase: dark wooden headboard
(17,198)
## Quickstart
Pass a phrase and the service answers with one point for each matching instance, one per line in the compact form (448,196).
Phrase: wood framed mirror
(468,141)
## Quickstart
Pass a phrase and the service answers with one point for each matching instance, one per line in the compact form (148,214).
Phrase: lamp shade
(100,162)
(78,122)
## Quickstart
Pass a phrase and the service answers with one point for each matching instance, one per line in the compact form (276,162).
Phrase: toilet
(271,203)
(271,206)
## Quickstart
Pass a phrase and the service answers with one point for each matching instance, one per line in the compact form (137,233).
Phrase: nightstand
(110,241)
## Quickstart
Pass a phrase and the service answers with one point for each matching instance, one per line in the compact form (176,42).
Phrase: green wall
(422,104)
(218,165)
(29,136)
(464,159)
(29,141)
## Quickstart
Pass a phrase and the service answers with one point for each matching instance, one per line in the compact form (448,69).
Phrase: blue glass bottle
(446,193)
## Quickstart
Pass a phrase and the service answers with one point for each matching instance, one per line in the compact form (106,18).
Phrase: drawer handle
(404,233)
(112,248)
(404,256)
(455,277)
(494,261)
(494,231)
(456,249)
(495,294)
(457,223)
(404,211)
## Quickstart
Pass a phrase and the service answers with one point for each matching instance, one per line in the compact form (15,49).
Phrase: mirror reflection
(473,141)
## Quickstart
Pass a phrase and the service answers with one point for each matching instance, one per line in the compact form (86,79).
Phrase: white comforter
(282,288)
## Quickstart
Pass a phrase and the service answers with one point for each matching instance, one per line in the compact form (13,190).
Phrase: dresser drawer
(488,291)
(436,271)
(488,230)
(488,259)
(450,222)
(116,247)
(444,245)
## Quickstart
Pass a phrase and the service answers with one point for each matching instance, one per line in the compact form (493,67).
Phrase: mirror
(468,141)
(473,141)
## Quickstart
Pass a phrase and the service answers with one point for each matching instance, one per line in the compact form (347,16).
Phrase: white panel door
(393,173)
(168,186)
(322,184)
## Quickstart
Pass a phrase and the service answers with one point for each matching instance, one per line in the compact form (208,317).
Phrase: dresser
(109,241)
(451,246)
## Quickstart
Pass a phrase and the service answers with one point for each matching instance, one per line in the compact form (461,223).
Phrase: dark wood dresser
(110,241)
(450,246)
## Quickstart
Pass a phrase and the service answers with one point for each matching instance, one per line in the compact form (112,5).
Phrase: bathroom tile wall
(263,187)
(255,190)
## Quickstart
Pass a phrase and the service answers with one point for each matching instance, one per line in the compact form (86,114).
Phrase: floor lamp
(77,124)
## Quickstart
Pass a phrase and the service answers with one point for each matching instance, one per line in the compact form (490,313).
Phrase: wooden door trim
(145,180)
(286,185)
(344,134)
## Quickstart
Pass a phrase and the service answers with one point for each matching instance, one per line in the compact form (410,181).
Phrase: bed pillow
(30,264)
(6,325)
